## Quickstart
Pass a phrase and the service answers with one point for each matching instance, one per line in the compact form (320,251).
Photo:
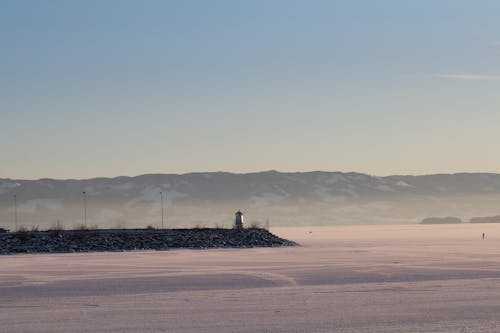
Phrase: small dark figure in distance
(483,235)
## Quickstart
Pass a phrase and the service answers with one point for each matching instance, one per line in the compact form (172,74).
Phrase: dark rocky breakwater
(61,241)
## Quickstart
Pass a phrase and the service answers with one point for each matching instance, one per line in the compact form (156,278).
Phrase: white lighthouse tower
(238,220)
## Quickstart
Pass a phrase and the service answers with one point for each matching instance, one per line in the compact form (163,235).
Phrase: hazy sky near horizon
(108,88)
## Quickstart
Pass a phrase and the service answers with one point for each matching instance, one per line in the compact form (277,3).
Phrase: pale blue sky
(108,88)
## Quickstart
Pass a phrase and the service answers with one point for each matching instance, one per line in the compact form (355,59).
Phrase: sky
(118,87)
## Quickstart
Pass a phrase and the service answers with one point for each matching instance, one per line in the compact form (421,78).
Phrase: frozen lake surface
(405,278)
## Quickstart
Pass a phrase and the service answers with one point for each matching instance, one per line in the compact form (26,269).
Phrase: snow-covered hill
(282,198)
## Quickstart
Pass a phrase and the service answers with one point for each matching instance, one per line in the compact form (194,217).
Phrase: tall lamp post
(15,210)
(161,198)
(85,208)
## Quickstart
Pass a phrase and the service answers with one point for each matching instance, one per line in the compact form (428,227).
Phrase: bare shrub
(255,225)
(22,229)
(82,231)
(80,227)
(57,226)
(56,229)
(22,233)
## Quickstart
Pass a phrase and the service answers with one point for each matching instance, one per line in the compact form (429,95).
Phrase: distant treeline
(456,220)
(487,219)
(441,220)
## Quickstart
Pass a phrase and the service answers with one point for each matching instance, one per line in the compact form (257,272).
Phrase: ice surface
(398,278)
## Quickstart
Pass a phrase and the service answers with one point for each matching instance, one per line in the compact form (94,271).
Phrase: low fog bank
(104,214)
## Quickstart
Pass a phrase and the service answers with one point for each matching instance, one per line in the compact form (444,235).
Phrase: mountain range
(278,198)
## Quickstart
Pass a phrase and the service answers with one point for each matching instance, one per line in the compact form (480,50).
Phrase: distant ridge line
(250,173)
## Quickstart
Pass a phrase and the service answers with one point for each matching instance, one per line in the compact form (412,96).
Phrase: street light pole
(161,197)
(85,208)
(15,210)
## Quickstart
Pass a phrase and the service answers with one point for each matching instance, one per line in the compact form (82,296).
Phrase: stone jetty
(61,241)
